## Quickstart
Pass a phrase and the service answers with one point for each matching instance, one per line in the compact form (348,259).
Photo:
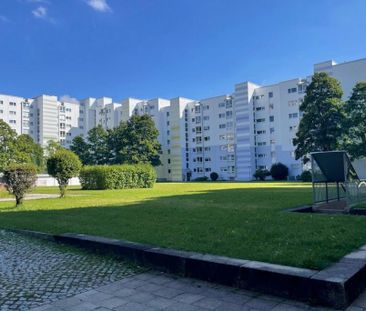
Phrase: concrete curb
(336,286)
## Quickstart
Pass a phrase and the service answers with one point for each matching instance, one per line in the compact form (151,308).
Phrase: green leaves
(320,128)
(63,165)
(18,149)
(134,141)
(354,139)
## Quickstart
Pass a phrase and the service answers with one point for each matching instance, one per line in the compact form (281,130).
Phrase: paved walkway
(154,291)
(33,196)
(34,272)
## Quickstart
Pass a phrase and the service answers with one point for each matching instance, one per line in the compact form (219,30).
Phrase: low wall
(44,180)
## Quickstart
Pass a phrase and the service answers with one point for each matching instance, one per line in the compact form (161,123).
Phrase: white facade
(231,134)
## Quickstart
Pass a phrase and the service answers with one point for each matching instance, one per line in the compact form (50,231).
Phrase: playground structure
(336,185)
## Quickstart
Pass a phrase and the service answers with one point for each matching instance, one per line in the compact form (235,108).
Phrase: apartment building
(232,134)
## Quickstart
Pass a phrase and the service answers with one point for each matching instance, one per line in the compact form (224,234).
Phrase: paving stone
(36,272)
(261,304)
(209,303)
(188,298)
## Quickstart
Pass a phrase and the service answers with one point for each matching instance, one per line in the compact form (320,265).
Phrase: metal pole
(326,191)
(338,190)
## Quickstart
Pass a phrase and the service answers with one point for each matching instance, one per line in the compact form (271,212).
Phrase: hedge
(124,176)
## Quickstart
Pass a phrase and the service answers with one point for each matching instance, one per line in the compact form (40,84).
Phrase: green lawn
(245,220)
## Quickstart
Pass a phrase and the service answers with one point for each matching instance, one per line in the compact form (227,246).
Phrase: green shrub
(99,177)
(63,165)
(203,178)
(19,179)
(279,171)
(214,176)
(306,176)
(261,174)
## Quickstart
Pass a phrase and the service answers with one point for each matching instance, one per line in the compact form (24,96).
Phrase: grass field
(244,220)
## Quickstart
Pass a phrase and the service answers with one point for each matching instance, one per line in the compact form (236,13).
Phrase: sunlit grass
(245,220)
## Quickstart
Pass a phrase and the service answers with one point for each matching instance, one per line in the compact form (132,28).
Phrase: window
(222,115)
(12,121)
(270,94)
(262,143)
(167,123)
(1,102)
(272,130)
(206,118)
(198,120)
(302,88)
(271,118)
(293,115)
(221,105)
(208,159)
(229,114)
(168,114)
(292,90)
(261,120)
(12,112)
(12,104)
(229,104)
(259,108)
(207,138)
(222,126)
(222,137)
(1,111)
(206,127)
(207,148)
(197,109)
(198,129)
(208,169)
(261,132)
(261,155)
(229,125)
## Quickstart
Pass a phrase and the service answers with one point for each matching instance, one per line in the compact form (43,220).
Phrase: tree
(30,151)
(214,176)
(82,149)
(63,165)
(98,146)
(306,176)
(139,142)
(320,128)
(354,140)
(52,147)
(261,174)
(19,179)
(279,171)
(7,145)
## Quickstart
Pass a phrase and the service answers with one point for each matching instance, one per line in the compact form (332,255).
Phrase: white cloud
(40,12)
(99,5)
(68,99)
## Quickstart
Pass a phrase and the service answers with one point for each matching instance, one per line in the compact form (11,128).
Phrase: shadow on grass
(245,223)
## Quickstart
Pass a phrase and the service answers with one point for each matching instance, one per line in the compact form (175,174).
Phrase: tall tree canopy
(320,128)
(140,143)
(32,151)
(134,141)
(354,140)
(18,149)
(8,139)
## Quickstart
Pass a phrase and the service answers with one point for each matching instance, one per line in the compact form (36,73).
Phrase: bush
(203,178)
(63,165)
(19,179)
(99,177)
(214,176)
(306,176)
(261,174)
(279,171)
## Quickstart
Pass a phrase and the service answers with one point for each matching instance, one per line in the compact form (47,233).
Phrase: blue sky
(169,48)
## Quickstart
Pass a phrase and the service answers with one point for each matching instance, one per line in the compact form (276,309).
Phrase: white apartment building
(232,134)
